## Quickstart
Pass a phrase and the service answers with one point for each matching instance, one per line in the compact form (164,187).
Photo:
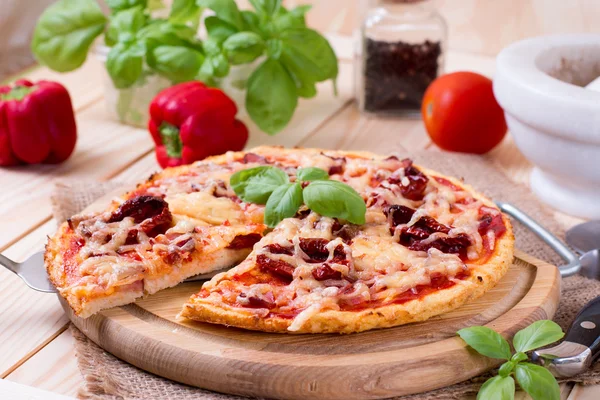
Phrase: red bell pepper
(191,121)
(37,123)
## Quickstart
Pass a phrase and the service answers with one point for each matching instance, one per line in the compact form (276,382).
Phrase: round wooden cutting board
(375,364)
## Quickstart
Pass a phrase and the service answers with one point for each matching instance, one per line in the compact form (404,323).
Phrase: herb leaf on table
(536,380)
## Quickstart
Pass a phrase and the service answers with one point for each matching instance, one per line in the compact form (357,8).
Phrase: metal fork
(33,273)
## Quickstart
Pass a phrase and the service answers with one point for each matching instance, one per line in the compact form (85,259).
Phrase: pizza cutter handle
(580,347)
(573,264)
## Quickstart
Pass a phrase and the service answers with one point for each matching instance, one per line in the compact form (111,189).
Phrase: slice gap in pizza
(429,245)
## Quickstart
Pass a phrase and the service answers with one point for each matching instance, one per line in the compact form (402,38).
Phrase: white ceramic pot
(555,121)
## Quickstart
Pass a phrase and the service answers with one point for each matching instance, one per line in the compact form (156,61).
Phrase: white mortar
(555,121)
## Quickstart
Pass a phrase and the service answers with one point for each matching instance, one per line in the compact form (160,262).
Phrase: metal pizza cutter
(579,349)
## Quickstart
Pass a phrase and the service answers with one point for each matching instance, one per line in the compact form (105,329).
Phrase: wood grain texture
(52,368)
(374,364)
(29,318)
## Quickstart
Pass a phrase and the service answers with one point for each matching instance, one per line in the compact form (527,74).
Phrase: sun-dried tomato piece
(139,208)
(157,224)
(254,158)
(275,248)
(492,223)
(338,166)
(432,225)
(152,211)
(346,232)
(315,249)
(244,241)
(398,215)
(339,255)
(417,181)
(325,272)
(449,245)
(132,237)
(255,302)
(279,268)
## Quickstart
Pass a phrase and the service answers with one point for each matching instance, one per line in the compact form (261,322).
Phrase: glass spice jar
(401,51)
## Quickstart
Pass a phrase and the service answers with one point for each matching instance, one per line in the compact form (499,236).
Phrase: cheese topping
(371,269)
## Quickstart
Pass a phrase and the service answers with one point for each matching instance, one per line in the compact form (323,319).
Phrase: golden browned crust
(483,277)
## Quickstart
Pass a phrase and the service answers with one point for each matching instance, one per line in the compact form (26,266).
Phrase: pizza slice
(429,244)
(180,223)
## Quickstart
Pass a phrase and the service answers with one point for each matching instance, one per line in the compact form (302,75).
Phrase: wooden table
(37,349)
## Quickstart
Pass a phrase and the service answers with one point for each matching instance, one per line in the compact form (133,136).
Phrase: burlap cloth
(107,377)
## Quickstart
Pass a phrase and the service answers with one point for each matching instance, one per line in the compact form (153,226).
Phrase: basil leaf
(65,32)
(283,203)
(266,7)
(305,51)
(243,47)
(120,5)
(506,368)
(124,24)
(176,63)
(219,65)
(537,381)
(251,22)
(185,12)
(486,341)
(226,10)
(271,97)
(255,185)
(124,64)
(274,47)
(156,5)
(336,200)
(218,29)
(305,86)
(291,19)
(538,334)
(497,388)
(311,174)
(518,357)
(306,90)
(168,33)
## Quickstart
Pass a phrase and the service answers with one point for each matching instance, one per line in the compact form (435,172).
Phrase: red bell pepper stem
(190,121)
(171,140)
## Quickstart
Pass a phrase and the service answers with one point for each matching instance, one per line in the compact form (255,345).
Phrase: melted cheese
(205,207)
(377,265)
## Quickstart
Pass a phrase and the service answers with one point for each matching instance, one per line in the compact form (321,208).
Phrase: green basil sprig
(536,380)
(271,186)
(295,57)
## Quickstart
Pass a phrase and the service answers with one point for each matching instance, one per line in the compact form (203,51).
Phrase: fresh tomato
(461,113)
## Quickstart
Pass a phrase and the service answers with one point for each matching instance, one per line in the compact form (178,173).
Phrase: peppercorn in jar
(400,54)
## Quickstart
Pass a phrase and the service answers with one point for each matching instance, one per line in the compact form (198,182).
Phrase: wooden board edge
(378,384)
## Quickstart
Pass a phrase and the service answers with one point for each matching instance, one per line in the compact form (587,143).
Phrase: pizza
(429,244)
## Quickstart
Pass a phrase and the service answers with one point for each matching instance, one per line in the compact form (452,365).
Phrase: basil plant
(292,58)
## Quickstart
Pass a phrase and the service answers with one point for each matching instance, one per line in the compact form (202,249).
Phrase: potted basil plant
(265,58)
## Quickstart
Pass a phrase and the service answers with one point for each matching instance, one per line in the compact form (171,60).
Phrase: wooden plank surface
(53,368)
